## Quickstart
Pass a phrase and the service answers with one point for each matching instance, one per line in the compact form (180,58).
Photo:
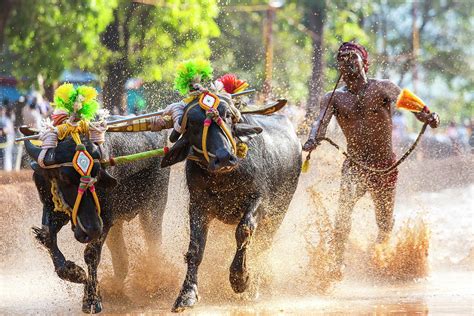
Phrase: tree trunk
(118,70)
(6,7)
(114,86)
(316,16)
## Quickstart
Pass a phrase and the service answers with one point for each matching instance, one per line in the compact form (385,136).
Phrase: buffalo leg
(239,276)
(118,251)
(151,222)
(52,222)
(92,301)
(199,225)
(47,236)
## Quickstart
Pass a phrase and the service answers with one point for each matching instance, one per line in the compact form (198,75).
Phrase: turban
(359,49)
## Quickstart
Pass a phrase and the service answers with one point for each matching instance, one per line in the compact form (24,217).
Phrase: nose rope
(86,183)
(212,114)
(82,163)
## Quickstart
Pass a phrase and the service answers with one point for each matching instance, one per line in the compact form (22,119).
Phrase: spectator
(7,137)
(20,105)
(31,115)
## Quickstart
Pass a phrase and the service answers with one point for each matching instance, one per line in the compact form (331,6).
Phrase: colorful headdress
(232,84)
(191,73)
(81,101)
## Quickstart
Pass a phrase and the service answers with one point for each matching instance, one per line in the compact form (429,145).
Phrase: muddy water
(433,235)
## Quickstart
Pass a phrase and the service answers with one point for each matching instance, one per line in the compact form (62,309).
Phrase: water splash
(405,258)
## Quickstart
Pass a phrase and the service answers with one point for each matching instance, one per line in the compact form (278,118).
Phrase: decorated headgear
(80,102)
(359,49)
(190,74)
(232,84)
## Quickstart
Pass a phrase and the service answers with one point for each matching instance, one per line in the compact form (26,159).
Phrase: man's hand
(311,144)
(433,120)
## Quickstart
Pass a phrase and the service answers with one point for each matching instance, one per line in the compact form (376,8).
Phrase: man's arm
(393,91)
(320,126)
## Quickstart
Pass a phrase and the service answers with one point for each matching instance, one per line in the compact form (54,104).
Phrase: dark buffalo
(140,188)
(253,193)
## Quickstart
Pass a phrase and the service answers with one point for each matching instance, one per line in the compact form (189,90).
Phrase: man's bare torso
(366,121)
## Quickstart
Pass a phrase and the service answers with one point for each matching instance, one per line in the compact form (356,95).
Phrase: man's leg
(351,190)
(384,200)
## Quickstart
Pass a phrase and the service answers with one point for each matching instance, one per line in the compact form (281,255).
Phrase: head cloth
(357,48)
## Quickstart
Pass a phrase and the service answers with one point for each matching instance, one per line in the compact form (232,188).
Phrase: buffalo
(252,193)
(129,190)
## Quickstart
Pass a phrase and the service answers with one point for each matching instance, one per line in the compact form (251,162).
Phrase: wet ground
(433,217)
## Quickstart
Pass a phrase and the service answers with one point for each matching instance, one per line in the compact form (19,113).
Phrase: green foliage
(48,36)
(241,47)
(444,62)
(161,36)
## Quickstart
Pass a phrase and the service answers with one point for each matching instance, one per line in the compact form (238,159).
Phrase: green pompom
(89,110)
(190,72)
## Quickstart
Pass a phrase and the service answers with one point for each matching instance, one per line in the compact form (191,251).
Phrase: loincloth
(373,180)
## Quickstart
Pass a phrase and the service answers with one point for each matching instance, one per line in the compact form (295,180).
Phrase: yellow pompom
(305,166)
(242,150)
(63,91)
(88,93)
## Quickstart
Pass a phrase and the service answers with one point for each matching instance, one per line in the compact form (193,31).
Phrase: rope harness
(82,162)
(374,170)
(59,204)
(209,103)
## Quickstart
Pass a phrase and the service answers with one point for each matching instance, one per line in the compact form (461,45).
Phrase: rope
(381,171)
(213,115)
(59,204)
(87,182)
(97,132)
(49,139)
(158,123)
(73,129)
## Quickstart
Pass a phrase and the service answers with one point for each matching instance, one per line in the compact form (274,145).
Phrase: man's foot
(336,272)
(383,238)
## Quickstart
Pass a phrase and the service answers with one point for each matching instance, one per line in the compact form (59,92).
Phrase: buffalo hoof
(92,305)
(239,280)
(186,299)
(72,273)
(41,235)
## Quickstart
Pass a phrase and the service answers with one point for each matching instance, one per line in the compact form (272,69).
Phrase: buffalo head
(222,157)
(57,161)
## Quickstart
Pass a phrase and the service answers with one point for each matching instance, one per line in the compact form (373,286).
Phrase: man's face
(350,64)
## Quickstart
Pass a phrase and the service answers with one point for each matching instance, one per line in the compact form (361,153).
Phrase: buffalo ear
(245,132)
(177,153)
(106,180)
